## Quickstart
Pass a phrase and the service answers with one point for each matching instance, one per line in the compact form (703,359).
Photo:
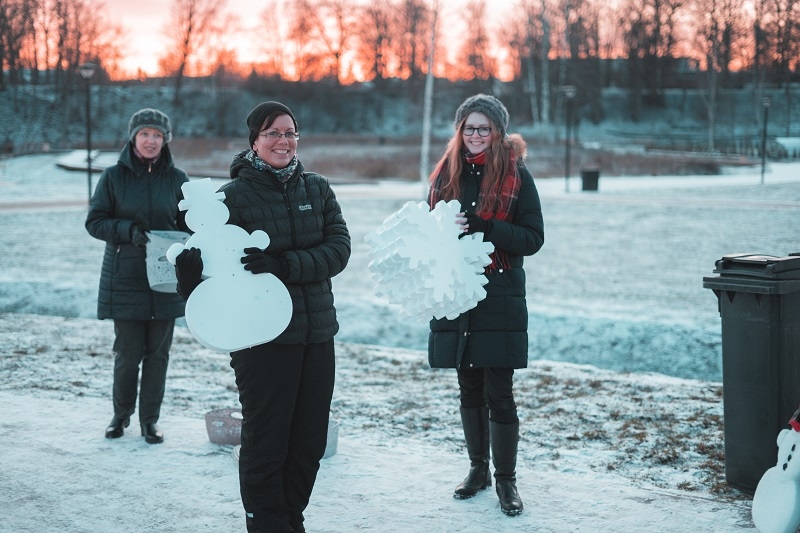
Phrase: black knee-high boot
(505,438)
(475,421)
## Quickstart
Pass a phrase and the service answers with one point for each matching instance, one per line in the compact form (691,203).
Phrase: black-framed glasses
(277,135)
(483,131)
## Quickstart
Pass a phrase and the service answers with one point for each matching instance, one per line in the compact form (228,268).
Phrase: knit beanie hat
(260,113)
(150,118)
(489,106)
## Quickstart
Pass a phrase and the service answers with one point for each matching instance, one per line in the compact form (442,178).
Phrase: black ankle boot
(152,434)
(504,453)
(475,422)
(116,428)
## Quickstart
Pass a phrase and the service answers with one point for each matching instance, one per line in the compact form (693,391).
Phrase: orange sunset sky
(144,21)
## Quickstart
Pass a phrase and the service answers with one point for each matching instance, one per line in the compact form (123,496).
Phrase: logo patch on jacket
(306,207)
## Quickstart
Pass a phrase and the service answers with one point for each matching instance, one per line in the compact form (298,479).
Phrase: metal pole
(86,71)
(568,144)
(569,94)
(89,139)
(765,102)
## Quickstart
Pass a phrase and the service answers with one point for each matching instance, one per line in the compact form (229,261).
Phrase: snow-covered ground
(631,443)
(618,283)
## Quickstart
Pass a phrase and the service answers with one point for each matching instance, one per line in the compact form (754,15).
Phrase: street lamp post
(569,93)
(87,71)
(765,103)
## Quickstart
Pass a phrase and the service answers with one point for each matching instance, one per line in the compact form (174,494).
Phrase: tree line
(539,46)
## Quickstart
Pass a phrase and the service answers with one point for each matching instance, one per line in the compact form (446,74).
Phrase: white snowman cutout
(232,308)
(776,503)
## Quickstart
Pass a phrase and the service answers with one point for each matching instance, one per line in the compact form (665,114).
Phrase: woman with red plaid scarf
(483,167)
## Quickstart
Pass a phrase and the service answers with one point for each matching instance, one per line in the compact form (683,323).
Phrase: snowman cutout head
(776,503)
(232,309)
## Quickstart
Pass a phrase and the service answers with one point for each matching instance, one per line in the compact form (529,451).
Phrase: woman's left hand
(472,223)
(258,261)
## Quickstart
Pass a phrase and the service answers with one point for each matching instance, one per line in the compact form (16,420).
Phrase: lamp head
(87,70)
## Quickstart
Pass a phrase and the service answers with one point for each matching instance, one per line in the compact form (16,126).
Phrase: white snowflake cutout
(420,263)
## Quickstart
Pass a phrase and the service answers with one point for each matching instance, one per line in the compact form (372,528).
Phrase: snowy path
(59,474)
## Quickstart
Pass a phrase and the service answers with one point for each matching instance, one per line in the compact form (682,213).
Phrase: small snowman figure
(776,503)
(232,308)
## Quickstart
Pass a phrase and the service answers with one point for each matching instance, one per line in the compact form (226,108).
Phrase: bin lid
(759,266)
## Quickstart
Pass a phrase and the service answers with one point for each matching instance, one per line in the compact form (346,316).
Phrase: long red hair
(499,161)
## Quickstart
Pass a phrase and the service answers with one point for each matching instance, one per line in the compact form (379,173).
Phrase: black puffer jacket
(495,332)
(305,225)
(128,193)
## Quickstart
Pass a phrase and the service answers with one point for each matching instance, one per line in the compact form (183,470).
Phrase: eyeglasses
(290,135)
(482,131)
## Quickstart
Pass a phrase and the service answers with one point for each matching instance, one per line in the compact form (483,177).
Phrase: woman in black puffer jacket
(138,194)
(285,385)
(483,168)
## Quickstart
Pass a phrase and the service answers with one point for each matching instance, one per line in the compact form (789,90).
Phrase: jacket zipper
(149,224)
(294,245)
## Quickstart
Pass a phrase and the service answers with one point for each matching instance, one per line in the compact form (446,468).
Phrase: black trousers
(145,342)
(494,387)
(285,392)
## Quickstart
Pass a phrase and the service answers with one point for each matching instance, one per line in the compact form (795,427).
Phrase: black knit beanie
(489,106)
(260,113)
(149,118)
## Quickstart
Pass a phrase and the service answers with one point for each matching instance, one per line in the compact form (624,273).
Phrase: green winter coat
(305,225)
(128,193)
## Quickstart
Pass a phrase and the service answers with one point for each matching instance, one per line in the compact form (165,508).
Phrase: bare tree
(785,32)
(649,35)
(80,32)
(375,39)
(375,45)
(524,48)
(307,33)
(721,23)
(478,65)
(761,52)
(583,44)
(413,47)
(16,23)
(191,24)
(545,60)
(331,26)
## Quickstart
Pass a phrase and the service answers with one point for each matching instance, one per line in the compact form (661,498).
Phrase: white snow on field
(621,405)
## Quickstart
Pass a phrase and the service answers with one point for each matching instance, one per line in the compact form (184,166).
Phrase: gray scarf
(283,174)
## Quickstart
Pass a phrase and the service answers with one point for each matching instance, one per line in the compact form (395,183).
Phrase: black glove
(477,224)
(189,271)
(258,261)
(138,237)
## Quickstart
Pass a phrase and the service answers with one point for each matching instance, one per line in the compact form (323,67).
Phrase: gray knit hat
(489,106)
(150,118)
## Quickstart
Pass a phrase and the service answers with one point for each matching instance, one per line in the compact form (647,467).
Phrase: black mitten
(477,224)
(138,237)
(258,261)
(189,271)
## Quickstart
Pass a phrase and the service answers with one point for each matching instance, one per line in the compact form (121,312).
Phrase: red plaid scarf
(506,192)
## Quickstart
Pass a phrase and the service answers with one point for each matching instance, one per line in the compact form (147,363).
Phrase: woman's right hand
(189,271)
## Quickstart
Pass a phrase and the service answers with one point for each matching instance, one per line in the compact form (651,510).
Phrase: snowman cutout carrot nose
(232,308)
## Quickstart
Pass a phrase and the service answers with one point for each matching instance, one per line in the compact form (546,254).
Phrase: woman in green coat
(138,194)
